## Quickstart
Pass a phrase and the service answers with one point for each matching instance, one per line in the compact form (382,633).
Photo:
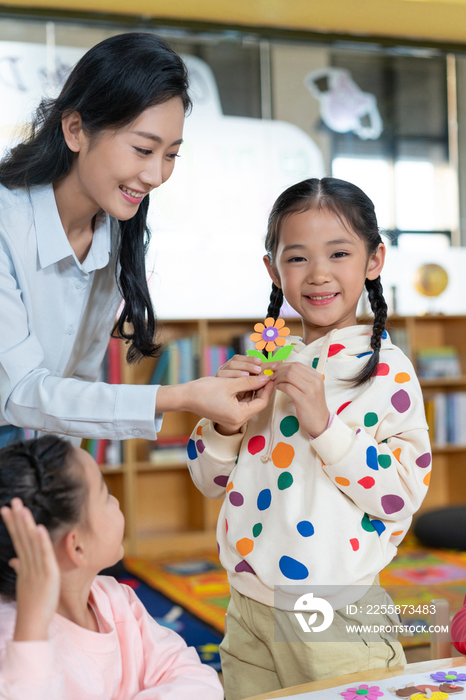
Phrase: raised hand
(305,387)
(36,568)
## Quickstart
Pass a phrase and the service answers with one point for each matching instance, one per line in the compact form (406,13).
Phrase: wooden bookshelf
(164,511)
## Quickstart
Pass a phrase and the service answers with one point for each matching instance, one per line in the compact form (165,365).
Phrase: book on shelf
(108,452)
(400,338)
(179,362)
(169,450)
(215,356)
(442,361)
(446,418)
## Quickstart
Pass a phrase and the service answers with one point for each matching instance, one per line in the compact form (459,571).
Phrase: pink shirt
(132,658)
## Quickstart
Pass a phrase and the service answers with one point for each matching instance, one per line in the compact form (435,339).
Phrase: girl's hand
(36,568)
(305,387)
(240,366)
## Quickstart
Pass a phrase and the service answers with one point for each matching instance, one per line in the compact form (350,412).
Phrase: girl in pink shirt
(66,633)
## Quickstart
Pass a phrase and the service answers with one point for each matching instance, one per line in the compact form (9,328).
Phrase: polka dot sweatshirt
(330,511)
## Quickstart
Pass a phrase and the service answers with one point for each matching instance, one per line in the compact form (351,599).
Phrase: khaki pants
(253,663)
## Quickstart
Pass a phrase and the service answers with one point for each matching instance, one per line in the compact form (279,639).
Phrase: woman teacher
(74,197)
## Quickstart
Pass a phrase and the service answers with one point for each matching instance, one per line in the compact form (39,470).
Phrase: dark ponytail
(110,86)
(43,474)
(354,209)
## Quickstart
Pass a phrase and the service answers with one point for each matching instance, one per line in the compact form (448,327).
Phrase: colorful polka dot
(199,430)
(221,480)
(245,546)
(424,460)
(370,419)
(382,370)
(392,503)
(342,407)
(293,569)
(230,486)
(402,377)
(363,354)
(315,362)
(257,529)
(426,479)
(378,526)
(192,452)
(236,499)
(342,481)
(354,542)
(366,524)
(397,453)
(335,349)
(190,470)
(256,444)
(305,528)
(289,426)
(226,525)
(284,481)
(264,499)
(367,482)
(397,533)
(200,446)
(384,461)
(385,335)
(282,455)
(243,566)
(371,458)
(401,401)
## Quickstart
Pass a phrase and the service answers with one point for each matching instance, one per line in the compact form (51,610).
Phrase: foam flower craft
(269,335)
(451,676)
(363,692)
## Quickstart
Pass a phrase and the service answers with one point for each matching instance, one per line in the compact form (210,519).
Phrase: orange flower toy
(269,335)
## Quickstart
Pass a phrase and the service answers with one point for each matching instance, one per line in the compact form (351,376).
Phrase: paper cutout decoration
(269,335)
(427,692)
(363,691)
(343,105)
(451,689)
(450,677)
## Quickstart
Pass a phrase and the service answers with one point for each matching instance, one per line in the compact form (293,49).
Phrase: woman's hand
(305,387)
(36,568)
(218,398)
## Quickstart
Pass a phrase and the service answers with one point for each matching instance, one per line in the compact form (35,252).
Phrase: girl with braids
(74,197)
(65,632)
(321,486)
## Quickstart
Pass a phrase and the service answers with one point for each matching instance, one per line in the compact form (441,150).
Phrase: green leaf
(282,353)
(256,353)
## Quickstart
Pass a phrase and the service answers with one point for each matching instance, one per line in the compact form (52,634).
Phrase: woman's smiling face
(116,169)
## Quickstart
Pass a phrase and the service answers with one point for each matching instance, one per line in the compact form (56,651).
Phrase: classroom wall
(438,20)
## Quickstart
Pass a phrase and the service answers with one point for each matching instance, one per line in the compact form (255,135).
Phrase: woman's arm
(217,399)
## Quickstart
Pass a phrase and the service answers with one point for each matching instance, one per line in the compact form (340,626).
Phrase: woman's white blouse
(56,316)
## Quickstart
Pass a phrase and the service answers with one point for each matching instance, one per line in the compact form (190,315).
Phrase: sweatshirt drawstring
(323,356)
(267,456)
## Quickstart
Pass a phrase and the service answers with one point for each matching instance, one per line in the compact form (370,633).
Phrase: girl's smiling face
(321,266)
(115,169)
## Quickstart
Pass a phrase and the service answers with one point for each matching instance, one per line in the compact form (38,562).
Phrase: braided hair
(354,209)
(44,475)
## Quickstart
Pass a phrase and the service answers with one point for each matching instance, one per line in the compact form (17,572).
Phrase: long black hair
(45,476)
(110,86)
(354,208)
